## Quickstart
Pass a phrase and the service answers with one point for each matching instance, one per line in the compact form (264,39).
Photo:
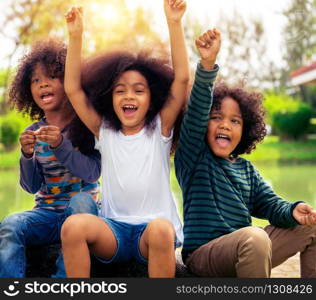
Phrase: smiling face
(47,91)
(131,101)
(225,128)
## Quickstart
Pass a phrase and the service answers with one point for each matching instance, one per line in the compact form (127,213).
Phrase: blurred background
(268,46)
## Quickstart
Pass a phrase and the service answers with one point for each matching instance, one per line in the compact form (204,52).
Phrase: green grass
(293,151)
(9,159)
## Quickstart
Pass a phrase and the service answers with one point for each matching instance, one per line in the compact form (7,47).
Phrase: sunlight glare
(105,11)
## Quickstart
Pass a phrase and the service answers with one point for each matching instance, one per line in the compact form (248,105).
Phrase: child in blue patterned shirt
(53,166)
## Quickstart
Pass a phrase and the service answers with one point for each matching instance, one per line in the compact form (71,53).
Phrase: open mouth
(46,97)
(223,140)
(129,109)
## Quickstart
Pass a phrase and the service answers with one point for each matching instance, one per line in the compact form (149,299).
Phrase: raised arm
(195,122)
(73,88)
(174,11)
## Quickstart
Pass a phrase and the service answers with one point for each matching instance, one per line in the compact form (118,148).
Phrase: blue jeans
(128,239)
(36,227)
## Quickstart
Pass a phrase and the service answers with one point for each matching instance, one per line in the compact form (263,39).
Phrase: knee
(256,240)
(13,223)
(82,203)
(161,233)
(74,227)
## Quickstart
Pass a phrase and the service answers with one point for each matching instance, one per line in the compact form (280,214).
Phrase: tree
(242,53)
(300,33)
(300,42)
(109,24)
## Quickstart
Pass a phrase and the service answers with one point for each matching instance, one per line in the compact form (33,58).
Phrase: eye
(52,77)
(34,80)
(119,91)
(215,117)
(139,91)
(236,121)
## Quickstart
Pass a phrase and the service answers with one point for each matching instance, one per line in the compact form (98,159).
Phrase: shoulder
(250,169)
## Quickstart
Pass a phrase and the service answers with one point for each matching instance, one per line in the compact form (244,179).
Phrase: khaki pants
(253,252)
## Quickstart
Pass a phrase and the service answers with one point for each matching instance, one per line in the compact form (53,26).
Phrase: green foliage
(289,117)
(11,125)
(108,24)
(293,124)
(3,73)
(312,127)
(9,133)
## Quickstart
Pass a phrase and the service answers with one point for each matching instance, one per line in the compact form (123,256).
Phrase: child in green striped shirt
(222,191)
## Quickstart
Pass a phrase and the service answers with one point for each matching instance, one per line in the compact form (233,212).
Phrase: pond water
(292,182)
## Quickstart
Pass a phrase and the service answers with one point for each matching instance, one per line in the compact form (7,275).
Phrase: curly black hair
(252,111)
(51,54)
(100,73)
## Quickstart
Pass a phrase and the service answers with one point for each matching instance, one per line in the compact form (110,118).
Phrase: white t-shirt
(136,176)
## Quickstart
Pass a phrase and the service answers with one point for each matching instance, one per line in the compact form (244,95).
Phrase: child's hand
(74,21)
(27,141)
(208,45)
(50,135)
(304,214)
(174,9)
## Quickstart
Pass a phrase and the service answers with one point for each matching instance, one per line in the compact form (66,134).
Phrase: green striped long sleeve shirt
(219,196)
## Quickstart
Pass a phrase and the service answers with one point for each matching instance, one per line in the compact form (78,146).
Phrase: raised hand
(208,45)
(304,214)
(50,135)
(174,9)
(74,20)
(27,141)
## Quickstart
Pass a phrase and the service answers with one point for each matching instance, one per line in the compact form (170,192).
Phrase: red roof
(304,69)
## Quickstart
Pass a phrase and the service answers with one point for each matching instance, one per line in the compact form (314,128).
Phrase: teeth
(222,136)
(129,107)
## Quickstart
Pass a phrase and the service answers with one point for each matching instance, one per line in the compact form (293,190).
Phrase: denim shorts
(128,239)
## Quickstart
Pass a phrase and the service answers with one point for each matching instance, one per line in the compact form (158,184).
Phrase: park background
(268,46)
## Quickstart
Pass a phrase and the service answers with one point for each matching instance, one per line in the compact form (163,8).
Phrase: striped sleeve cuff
(206,76)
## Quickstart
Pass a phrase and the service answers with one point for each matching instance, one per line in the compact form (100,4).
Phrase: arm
(73,88)
(174,10)
(86,167)
(31,177)
(195,122)
(270,206)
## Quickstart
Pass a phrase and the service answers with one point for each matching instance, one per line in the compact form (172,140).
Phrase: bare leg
(157,245)
(79,234)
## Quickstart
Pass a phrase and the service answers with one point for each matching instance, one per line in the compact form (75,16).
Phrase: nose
(44,85)
(225,125)
(129,94)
